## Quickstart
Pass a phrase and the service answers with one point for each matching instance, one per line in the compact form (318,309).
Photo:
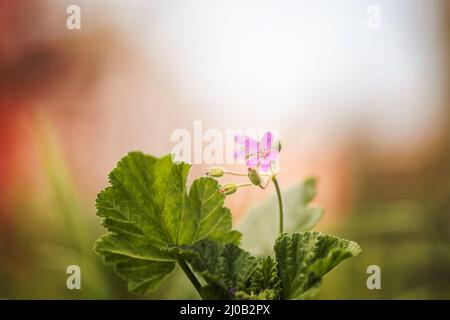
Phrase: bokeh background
(365,110)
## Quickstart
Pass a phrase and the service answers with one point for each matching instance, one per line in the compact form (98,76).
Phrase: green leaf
(264,283)
(304,258)
(206,217)
(142,273)
(224,266)
(265,278)
(231,272)
(259,224)
(147,207)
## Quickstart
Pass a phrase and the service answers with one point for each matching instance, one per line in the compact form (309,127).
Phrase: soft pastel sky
(313,70)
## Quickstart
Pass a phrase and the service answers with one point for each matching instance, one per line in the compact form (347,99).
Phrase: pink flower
(258,154)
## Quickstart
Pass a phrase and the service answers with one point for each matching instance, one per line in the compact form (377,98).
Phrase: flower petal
(252,162)
(251,146)
(267,141)
(272,155)
(265,165)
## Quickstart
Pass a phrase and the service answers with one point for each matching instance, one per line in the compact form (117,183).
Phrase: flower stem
(280,203)
(184,266)
(234,173)
(244,185)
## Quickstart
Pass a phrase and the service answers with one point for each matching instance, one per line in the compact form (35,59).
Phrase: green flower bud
(254,176)
(278,146)
(216,172)
(229,188)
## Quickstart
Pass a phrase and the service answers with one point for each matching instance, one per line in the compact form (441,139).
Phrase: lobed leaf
(147,208)
(304,258)
(225,267)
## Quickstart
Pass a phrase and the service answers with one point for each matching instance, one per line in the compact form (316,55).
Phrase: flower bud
(229,188)
(216,172)
(254,176)
(278,146)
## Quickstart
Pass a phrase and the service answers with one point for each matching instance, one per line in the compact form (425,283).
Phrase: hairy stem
(184,266)
(280,204)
